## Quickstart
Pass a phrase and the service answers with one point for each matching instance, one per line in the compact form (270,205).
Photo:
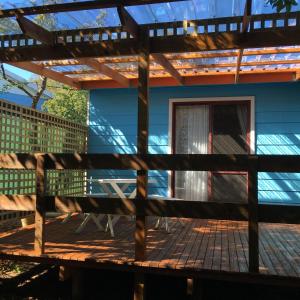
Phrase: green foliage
(280,5)
(67,103)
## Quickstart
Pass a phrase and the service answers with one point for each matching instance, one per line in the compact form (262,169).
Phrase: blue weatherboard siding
(113,126)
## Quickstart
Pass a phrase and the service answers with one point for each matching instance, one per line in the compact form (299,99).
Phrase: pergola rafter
(131,26)
(245,27)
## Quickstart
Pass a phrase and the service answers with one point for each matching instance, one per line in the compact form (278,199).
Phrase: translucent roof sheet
(143,14)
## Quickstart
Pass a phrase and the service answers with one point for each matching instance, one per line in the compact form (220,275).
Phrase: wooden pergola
(163,55)
(108,57)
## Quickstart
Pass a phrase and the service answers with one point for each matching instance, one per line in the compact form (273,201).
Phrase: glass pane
(191,137)
(229,188)
(230,124)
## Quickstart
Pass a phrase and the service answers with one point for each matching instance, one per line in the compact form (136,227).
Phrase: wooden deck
(199,245)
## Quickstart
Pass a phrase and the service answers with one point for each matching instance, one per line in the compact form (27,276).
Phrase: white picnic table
(112,187)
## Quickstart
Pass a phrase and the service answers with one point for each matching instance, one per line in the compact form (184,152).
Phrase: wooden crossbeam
(107,71)
(74,6)
(129,24)
(35,31)
(169,44)
(132,27)
(189,66)
(181,56)
(40,70)
(165,63)
(245,26)
(238,65)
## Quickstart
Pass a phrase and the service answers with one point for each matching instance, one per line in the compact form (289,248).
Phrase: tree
(50,22)
(280,5)
(67,103)
(34,96)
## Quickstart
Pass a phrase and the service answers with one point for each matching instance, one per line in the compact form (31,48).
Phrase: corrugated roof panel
(143,14)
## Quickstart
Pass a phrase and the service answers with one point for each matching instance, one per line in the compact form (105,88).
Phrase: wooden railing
(251,211)
(191,28)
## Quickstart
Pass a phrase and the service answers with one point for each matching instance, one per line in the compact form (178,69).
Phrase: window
(211,128)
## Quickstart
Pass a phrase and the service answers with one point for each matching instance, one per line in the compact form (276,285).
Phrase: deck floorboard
(199,244)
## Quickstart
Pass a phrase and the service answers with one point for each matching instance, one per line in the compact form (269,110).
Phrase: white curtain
(192,130)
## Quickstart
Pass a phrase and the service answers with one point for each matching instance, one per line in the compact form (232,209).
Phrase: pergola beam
(168,44)
(183,56)
(107,71)
(245,26)
(32,30)
(75,6)
(39,70)
(131,26)
(188,66)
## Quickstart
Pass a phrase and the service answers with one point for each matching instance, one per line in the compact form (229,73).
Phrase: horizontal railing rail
(194,162)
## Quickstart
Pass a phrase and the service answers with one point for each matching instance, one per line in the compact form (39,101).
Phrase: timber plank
(283,247)
(209,255)
(271,254)
(242,260)
(276,247)
(267,265)
(177,247)
(225,255)
(189,246)
(203,246)
(233,258)
(243,232)
(199,245)
(160,252)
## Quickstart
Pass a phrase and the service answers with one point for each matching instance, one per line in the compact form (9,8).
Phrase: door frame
(208,100)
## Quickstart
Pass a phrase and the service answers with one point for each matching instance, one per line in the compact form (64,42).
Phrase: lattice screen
(24,130)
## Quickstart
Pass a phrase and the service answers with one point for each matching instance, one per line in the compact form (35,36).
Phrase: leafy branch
(35,97)
(280,5)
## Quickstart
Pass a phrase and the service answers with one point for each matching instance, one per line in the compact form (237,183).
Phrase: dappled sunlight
(189,244)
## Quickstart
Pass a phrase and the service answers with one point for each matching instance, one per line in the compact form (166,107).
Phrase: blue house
(212,84)
(261,118)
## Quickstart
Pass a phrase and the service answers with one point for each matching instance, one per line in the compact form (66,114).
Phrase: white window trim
(172,101)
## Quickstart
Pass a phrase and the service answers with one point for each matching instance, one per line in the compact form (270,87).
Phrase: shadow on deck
(198,245)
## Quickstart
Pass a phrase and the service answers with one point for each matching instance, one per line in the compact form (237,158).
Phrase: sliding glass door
(211,128)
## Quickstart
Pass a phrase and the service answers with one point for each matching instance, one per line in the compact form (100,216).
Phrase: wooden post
(142,148)
(77,284)
(142,142)
(39,238)
(253,217)
(139,286)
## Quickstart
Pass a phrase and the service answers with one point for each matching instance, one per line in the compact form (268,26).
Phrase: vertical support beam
(139,286)
(39,237)
(253,228)
(245,26)
(142,148)
(77,284)
(142,142)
